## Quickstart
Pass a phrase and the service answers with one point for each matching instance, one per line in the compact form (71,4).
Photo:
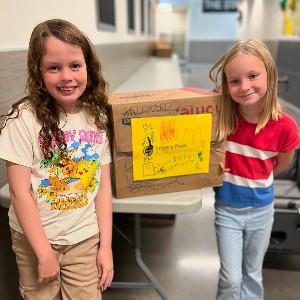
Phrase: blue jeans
(243,235)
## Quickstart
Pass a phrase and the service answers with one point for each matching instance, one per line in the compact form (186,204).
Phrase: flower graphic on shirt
(42,191)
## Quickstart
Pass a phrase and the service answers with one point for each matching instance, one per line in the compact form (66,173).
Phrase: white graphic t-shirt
(64,190)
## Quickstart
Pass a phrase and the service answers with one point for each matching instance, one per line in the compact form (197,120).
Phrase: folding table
(183,202)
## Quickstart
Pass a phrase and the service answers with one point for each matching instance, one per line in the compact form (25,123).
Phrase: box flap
(144,104)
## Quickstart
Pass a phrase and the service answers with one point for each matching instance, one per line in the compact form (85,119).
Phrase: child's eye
(233,82)
(75,67)
(253,76)
(53,69)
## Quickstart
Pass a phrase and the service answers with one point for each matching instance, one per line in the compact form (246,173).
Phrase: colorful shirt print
(64,187)
(71,178)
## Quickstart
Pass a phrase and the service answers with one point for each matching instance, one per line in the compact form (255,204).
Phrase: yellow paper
(170,146)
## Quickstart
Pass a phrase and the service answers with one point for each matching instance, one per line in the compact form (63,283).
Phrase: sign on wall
(220,5)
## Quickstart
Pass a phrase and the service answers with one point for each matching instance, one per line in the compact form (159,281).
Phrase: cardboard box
(163,52)
(125,106)
(162,48)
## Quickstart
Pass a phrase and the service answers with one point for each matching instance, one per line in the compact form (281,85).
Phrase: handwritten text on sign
(170,146)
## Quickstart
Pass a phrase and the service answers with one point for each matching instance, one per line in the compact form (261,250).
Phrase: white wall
(19,17)
(261,19)
(210,26)
(171,23)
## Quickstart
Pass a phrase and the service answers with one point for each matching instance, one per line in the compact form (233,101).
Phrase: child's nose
(66,75)
(245,85)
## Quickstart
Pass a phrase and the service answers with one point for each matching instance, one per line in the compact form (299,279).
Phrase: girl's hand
(223,169)
(105,267)
(48,268)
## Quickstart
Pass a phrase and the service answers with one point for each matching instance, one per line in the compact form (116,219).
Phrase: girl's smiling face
(64,72)
(247,80)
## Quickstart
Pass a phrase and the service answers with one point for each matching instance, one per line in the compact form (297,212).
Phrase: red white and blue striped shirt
(251,158)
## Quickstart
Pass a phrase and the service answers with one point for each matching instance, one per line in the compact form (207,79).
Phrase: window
(151,18)
(130,15)
(106,15)
(142,17)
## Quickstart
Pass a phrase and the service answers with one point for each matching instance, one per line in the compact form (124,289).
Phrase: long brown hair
(94,99)
(228,118)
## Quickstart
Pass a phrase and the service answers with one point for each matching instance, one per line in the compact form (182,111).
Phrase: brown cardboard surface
(162,52)
(125,106)
(158,103)
(125,187)
(162,48)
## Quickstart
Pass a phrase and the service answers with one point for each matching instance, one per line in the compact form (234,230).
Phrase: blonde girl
(260,143)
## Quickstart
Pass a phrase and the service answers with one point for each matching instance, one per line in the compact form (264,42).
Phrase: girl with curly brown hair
(55,142)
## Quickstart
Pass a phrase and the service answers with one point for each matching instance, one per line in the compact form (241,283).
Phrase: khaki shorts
(78,271)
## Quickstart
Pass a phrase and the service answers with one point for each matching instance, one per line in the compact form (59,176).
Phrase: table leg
(139,260)
(153,283)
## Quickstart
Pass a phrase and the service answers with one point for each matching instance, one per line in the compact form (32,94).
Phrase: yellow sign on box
(170,146)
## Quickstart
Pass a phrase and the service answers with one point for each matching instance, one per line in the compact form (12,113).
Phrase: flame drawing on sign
(168,131)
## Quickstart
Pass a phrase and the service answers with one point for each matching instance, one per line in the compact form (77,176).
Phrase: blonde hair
(228,118)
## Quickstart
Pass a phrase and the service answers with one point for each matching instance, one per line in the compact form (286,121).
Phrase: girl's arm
(103,202)
(19,178)
(282,162)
